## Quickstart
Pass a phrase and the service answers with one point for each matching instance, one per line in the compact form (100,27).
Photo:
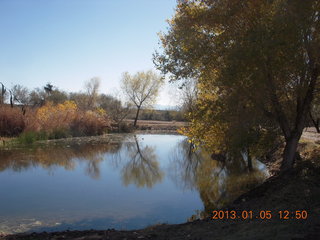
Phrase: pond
(140,181)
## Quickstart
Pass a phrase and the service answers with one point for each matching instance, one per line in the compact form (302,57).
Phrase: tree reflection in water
(218,183)
(138,164)
(51,157)
(142,167)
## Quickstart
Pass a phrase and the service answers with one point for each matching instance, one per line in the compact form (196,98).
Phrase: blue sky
(66,42)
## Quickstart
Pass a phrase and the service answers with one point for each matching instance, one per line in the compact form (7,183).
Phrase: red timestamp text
(262,214)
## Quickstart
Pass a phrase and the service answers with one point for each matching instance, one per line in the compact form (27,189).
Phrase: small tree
(141,89)
(20,94)
(48,88)
(114,108)
(57,96)
(37,97)
(92,89)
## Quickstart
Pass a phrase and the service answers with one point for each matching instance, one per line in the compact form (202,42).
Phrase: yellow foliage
(57,116)
(101,111)
(67,119)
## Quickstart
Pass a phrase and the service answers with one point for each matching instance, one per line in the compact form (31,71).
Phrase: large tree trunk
(304,100)
(303,108)
(137,115)
(290,152)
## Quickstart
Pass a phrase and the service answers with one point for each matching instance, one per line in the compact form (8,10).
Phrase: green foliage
(27,138)
(30,137)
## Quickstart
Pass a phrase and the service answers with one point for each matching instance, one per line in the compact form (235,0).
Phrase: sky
(67,42)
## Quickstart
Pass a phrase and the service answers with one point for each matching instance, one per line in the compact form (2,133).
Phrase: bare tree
(92,88)
(141,89)
(20,94)
(3,93)
(37,97)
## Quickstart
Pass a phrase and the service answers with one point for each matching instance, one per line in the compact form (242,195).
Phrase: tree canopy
(141,89)
(257,63)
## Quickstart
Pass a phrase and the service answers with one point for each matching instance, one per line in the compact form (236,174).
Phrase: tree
(20,94)
(88,99)
(114,108)
(92,91)
(80,99)
(141,89)
(48,88)
(315,112)
(3,93)
(188,96)
(57,96)
(37,97)
(256,55)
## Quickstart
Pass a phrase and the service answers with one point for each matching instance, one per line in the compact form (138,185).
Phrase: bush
(89,124)
(30,137)
(51,118)
(59,133)
(27,138)
(11,121)
(125,128)
(65,119)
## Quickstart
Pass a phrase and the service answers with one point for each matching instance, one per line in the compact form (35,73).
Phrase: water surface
(141,181)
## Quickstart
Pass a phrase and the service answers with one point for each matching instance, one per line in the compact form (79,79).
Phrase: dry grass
(11,121)
(52,121)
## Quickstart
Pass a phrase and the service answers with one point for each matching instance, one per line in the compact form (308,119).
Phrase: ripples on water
(141,181)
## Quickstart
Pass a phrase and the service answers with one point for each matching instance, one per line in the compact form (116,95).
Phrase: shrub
(30,137)
(56,117)
(27,138)
(58,133)
(125,127)
(11,121)
(89,124)
(64,120)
